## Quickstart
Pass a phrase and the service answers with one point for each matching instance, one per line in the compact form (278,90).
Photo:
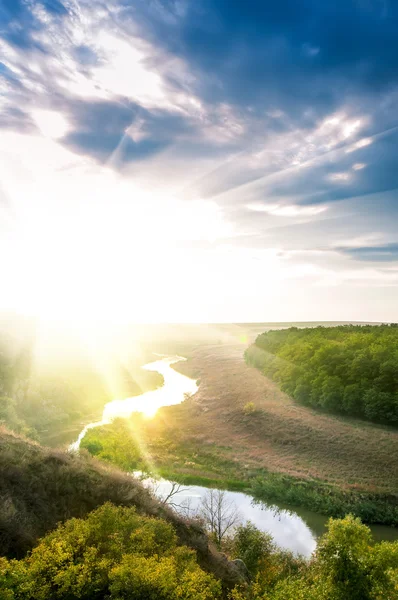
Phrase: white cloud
(359,144)
(287,210)
(339,177)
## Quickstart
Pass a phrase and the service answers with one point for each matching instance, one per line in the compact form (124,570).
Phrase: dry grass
(280,435)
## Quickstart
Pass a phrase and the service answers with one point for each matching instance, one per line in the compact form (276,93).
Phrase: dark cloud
(101,128)
(85,55)
(303,58)
(289,54)
(101,146)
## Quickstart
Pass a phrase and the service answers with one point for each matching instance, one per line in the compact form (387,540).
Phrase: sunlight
(86,259)
(51,124)
(174,391)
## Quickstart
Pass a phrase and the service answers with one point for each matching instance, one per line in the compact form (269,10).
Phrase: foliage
(252,546)
(118,443)
(350,566)
(327,499)
(117,553)
(114,552)
(266,563)
(345,566)
(349,369)
(249,408)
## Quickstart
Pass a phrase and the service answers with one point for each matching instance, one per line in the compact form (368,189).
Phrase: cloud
(384,253)
(280,115)
(287,210)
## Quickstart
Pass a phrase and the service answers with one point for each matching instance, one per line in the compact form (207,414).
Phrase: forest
(348,369)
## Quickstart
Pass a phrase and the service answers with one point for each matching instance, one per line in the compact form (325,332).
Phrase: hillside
(41,487)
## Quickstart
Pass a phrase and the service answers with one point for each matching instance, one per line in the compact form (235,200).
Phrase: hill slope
(41,487)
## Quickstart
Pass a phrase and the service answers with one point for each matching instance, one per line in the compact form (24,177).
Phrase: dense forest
(349,369)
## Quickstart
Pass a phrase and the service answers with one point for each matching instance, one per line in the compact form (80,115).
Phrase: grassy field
(280,451)
(279,435)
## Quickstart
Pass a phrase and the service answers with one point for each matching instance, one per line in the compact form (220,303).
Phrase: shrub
(249,408)
(113,553)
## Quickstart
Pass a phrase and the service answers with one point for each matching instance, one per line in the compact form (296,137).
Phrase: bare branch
(219,514)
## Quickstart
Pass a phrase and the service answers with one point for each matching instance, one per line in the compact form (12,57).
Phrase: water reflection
(296,530)
(287,528)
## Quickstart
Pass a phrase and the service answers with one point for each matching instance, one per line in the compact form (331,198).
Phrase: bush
(345,566)
(252,546)
(113,553)
(249,408)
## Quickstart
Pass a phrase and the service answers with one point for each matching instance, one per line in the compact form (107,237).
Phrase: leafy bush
(114,552)
(249,408)
(252,546)
(345,566)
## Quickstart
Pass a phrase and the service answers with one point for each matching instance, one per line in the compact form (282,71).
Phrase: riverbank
(277,451)
(137,445)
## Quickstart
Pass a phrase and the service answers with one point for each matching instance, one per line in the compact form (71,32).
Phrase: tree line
(348,369)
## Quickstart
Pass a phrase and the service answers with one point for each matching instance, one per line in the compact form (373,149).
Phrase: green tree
(252,546)
(113,553)
(351,567)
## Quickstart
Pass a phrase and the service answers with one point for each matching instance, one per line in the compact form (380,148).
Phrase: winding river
(293,529)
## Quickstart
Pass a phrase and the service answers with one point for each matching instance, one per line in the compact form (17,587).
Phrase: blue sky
(199,161)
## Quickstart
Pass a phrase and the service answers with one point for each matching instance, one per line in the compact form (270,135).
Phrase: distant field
(280,436)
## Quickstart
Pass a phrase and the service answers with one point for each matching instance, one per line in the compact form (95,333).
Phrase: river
(292,528)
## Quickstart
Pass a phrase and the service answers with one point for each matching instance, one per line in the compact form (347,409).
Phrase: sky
(212,161)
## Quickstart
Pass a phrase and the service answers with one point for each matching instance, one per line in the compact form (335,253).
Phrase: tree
(350,567)
(219,514)
(114,553)
(252,546)
(346,369)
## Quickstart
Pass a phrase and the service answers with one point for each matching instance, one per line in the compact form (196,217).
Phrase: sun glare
(96,248)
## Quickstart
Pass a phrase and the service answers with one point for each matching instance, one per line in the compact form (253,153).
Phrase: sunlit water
(296,530)
(176,387)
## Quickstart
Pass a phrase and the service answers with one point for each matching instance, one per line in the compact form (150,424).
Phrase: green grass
(192,463)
